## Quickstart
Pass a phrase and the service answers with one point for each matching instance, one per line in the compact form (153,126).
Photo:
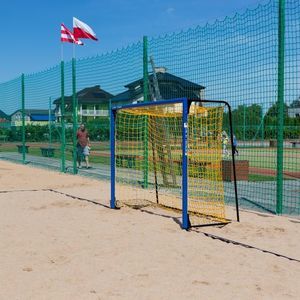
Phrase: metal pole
(155,81)
(145,69)
(262,125)
(62,117)
(185,219)
(23,118)
(49,123)
(75,111)
(280,100)
(233,164)
(244,125)
(145,92)
(112,160)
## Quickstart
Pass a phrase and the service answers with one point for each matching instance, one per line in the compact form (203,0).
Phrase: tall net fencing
(11,103)
(250,60)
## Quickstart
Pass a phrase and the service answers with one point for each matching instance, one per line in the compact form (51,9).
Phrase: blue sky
(30,29)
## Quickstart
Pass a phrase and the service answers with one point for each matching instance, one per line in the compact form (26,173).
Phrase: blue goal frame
(186,103)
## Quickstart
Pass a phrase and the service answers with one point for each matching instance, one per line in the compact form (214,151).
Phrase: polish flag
(83,31)
(67,36)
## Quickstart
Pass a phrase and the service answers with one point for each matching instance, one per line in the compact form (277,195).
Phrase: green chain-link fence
(250,60)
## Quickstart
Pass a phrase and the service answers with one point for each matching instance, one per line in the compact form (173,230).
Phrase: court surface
(60,240)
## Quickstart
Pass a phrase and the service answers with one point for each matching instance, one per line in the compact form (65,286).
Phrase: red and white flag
(67,36)
(83,31)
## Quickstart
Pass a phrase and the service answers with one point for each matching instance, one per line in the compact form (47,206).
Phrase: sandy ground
(53,246)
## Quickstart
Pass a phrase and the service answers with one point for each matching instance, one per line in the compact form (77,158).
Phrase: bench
(194,166)
(129,161)
(20,148)
(125,160)
(47,151)
(3,138)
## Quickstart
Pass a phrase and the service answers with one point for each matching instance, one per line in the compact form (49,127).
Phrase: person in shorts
(83,146)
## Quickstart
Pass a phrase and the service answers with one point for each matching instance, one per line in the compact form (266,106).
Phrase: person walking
(235,150)
(83,146)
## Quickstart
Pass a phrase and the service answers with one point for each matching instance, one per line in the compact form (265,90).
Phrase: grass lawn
(266,158)
(257,177)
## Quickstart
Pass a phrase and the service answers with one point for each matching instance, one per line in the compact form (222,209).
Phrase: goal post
(169,152)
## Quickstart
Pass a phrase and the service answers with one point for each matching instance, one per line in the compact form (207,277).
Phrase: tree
(274,109)
(291,125)
(246,121)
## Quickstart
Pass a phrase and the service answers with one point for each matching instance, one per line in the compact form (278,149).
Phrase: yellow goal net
(148,158)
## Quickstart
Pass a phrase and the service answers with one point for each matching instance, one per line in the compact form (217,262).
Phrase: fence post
(23,118)
(280,100)
(145,68)
(75,111)
(262,125)
(145,92)
(244,123)
(184,168)
(112,158)
(49,122)
(62,117)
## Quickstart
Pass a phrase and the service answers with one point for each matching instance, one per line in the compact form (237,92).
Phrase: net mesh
(149,158)
(235,59)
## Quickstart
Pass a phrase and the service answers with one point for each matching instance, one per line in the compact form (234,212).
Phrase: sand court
(59,240)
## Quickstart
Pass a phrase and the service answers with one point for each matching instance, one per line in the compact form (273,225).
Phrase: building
(294,109)
(4,118)
(93,102)
(294,112)
(32,117)
(170,87)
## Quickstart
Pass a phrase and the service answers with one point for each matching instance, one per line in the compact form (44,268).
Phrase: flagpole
(62,110)
(61,51)
(75,112)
